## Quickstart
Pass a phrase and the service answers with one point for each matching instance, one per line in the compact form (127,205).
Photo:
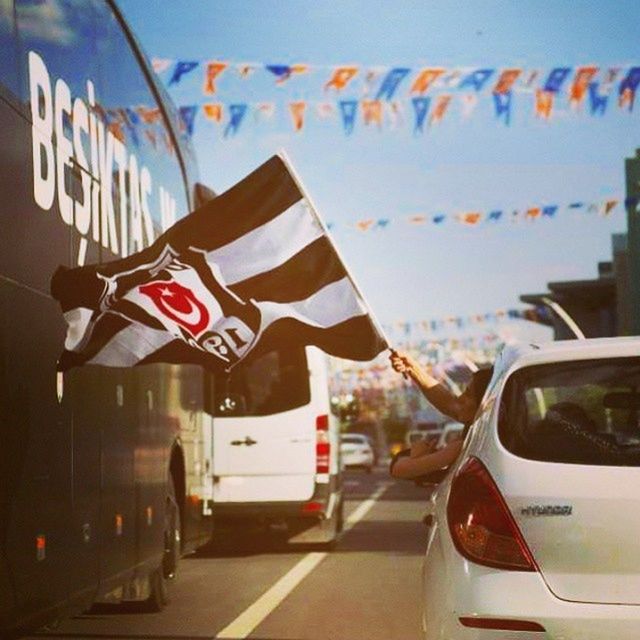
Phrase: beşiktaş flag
(249,271)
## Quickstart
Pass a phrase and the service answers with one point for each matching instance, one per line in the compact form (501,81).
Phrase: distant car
(356,451)
(534,530)
(451,431)
(430,435)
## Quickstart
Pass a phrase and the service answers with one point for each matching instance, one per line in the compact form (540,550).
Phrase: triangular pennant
(425,79)
(420,108)
(341,77)
(297,110)
(212,71)
(213,111)
(580,84)
(391,83)
(349,112)
(544,104)
(182,68)
(237,113)
(160,65)
(265,110)
(372,112)
(507,79)
(469,102)
(325,110)
(439,109)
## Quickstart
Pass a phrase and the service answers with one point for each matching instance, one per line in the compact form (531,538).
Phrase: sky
(414,273)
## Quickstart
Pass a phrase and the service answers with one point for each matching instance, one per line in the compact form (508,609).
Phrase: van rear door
(264,450)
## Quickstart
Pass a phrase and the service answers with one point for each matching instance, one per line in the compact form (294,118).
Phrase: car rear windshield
(352,440)
(585,412)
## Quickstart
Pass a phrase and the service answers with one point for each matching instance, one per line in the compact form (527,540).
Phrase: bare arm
(414,466)
(461,408)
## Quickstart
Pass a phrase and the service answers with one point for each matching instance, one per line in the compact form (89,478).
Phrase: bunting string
(379,94)
(410,329)
(471,218)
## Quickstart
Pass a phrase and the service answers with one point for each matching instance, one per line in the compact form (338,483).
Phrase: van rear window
(585,412)
(271,383)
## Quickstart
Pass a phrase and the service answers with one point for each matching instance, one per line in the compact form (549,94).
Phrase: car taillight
(323,445)
(481,525)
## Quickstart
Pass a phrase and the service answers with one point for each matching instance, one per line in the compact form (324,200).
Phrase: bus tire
(172,533)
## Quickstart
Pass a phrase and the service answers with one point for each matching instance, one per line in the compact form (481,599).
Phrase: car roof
(353,435)
(515,356)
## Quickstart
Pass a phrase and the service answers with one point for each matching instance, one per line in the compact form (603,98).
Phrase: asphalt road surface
(259,587)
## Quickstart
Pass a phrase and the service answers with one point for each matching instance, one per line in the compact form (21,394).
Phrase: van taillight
(323,445)
(481,525)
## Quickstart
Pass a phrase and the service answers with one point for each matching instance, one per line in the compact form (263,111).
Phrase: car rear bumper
(455,588)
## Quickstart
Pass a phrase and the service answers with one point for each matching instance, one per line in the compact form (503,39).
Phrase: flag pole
(282,154)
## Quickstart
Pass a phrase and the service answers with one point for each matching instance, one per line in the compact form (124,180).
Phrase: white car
(451,431)
(356,451)
(534,531)
(416,435)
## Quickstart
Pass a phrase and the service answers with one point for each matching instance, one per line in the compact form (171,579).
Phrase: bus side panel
(151,463)
(37,467)
(116,396)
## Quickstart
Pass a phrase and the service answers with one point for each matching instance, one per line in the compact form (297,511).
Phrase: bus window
(272,383)
(108,167)
(134,114)
(63,37)
(8,59)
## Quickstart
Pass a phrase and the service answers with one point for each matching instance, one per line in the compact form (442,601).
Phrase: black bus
(104,473)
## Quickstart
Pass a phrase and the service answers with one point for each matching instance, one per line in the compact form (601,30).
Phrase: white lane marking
(251,617)
(363,508)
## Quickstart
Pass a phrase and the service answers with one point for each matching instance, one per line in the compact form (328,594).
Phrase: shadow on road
(371,536)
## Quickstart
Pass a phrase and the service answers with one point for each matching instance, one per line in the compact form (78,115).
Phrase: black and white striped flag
(249,271)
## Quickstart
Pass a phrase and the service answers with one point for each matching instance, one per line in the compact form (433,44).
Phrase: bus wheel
(158,594)
(172,529)
(167,570)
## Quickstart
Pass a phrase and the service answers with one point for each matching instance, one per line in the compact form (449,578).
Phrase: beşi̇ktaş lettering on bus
(94,215)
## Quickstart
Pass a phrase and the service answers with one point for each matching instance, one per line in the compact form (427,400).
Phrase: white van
(276,449)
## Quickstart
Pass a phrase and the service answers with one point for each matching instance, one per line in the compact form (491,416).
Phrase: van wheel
(340,516)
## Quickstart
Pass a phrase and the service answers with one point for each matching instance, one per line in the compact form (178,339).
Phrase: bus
(104,473)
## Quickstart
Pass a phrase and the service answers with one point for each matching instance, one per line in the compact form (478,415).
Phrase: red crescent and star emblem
(179,304)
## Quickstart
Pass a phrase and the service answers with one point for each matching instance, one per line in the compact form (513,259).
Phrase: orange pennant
(341,78)
(533,213)
(149,116)
(581,82)
(425,80)
(213,70)
(297,110)
(626,97)
(213,111)
(609,206)
(439,109)
(364,225)
(506,80)
(372,112)
(470,218)
(418,219)
(118,132)
(544,104)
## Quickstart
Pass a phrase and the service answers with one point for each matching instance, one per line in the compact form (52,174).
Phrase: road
(368,587)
